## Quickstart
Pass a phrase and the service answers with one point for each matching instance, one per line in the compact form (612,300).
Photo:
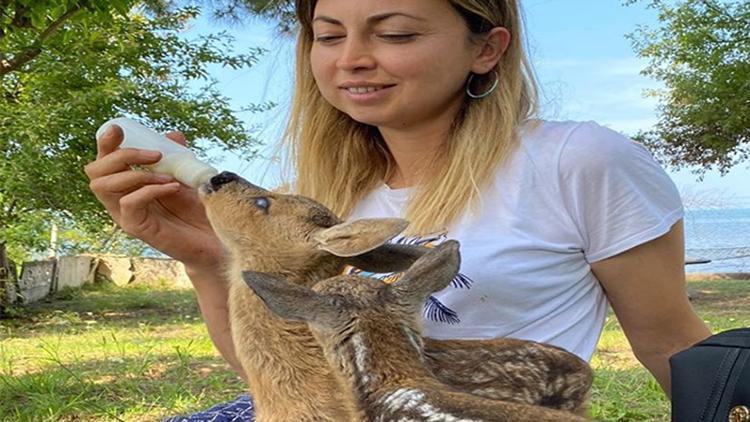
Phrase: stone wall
(40,278)
(73,271)
(37,279)
(113,269)
(159,270)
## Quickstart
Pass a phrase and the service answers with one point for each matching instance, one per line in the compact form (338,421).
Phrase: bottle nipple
(186,168)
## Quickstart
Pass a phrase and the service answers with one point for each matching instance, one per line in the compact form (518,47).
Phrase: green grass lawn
(142,353)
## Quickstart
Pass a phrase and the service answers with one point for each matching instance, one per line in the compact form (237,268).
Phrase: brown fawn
(370,332)
(302,242)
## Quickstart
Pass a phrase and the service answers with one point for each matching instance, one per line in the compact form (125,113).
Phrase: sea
(721,236)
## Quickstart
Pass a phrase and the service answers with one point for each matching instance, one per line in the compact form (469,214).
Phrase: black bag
(711,380)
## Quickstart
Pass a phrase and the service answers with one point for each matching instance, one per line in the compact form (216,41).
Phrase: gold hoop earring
(484,94)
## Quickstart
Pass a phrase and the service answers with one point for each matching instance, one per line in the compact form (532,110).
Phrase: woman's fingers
(127,181)
(134,207)
(120,160)
(108,141)
(177,137)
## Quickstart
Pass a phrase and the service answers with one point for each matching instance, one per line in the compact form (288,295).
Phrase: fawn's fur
(302,242)
(370,332)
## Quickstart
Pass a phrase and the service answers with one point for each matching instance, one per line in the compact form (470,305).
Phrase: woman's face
(391,63)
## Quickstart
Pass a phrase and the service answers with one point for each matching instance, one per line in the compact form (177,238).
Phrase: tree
(701,52)
(279,11)
(67,66)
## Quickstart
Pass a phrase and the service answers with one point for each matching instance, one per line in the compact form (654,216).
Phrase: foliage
(279,11)
(66,67)
(701,52)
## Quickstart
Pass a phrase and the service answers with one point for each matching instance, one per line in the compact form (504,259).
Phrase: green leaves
(279,11)
(701,52)
(98,64)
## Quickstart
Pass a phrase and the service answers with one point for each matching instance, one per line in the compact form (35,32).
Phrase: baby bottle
(177,160)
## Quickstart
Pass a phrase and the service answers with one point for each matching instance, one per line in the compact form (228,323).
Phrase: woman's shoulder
(547,133)
(576,144)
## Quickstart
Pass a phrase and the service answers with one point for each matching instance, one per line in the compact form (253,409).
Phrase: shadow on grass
(148,388)
(124,307)
(720,294)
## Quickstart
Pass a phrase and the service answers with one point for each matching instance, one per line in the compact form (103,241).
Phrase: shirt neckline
(399,194)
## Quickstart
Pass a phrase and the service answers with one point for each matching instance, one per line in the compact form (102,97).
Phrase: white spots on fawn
(360,358)
(411,400)
(403,398)
(414,339)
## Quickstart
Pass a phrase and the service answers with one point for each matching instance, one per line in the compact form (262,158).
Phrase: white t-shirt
(572,194)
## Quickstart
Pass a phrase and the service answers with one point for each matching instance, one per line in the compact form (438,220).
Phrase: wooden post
(53,241)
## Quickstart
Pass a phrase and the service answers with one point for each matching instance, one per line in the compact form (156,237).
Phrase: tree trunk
(7,280)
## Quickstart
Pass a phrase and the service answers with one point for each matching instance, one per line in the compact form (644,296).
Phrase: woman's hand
(150,206)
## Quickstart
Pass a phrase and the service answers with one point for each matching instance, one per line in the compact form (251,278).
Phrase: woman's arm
(170,218)
(646,288)
(212,292)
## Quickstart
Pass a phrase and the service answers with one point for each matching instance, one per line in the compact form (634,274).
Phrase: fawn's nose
(222,179)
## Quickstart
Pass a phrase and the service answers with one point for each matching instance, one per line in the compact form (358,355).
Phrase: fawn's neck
(295,268)
(270,349)
(379,361)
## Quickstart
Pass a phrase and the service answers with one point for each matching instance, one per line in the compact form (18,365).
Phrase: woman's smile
(365,95)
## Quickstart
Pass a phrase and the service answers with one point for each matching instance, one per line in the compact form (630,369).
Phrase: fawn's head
(290,229)
(339,308)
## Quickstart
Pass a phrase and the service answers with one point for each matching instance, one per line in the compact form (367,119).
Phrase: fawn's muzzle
(222,179)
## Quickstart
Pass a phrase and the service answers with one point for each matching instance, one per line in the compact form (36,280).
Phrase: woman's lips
(367,94)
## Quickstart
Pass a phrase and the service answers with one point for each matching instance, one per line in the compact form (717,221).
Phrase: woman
(425,109)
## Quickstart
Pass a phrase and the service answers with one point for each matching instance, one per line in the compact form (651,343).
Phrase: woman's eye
(262,203)
(327,38)
(398,37)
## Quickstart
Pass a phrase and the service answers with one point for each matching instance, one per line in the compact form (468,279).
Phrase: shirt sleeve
(616,193)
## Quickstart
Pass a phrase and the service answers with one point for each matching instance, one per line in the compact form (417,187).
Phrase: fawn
(302,242)
(370,332)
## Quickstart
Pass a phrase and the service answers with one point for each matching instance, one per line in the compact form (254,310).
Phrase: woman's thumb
(177,137)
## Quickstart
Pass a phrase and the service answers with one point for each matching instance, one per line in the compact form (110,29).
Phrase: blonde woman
(425,109)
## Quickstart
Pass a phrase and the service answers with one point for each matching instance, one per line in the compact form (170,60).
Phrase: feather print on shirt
(434,309)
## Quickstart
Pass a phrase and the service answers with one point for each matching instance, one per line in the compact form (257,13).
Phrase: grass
(142,353)
(108,353)
(623,389)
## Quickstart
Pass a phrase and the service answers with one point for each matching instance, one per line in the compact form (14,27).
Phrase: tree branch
(7,66)
(721,12)
(19,20)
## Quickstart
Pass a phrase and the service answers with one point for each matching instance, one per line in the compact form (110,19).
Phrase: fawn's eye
(262,203)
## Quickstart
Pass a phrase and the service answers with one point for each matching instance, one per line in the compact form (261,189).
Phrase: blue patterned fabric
(238,410)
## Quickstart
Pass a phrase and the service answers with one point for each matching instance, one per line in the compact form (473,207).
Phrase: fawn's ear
(388,258)
(356,237)
(430,273)
(287,300)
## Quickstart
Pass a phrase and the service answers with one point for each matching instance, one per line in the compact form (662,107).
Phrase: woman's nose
(355,54)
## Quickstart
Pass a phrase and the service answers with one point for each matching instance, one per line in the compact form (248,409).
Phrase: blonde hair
(338,160)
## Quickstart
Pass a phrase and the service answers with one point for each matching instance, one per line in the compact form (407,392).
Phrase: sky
(586,67)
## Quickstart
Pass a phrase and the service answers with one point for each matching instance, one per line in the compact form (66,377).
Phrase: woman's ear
(494,45)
